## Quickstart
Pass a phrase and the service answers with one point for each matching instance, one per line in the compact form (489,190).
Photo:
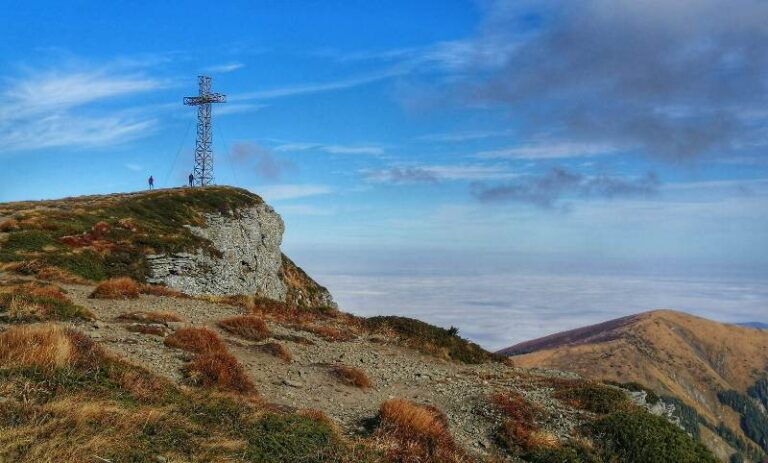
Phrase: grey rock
(249,259)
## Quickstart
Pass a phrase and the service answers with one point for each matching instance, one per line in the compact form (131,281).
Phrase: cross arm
(205,99)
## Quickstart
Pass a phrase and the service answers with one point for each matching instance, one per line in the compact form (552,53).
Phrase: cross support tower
(203,155)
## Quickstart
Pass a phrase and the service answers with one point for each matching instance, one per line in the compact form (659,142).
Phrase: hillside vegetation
(246,378)
(713,372)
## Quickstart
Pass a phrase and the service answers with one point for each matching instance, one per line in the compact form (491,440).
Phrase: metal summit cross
(203,155)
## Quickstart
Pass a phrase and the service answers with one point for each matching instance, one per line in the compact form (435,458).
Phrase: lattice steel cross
(203,155)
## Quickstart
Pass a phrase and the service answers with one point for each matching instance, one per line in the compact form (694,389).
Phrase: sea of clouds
(499,310)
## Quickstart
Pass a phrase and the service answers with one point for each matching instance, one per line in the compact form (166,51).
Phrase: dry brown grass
(329,333)
(155,330)
(44,272)
(117,288)
(198,340)
(519,427)
(164,291)
(9,225)
(219,369)
(421,433)
(150,317)
(247,327)
(351,376)
(277,350)
(33,301)
(46,346)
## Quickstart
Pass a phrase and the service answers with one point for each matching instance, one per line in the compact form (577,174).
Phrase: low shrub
(29,303)
(277,350)
(247,327)
(640,437)
(421,432)
(164,291)
(218,369)
(198,340)
(571,453)
(48,347)
(328,333)
(149,317)
(430,339)
(519,428)
(117,288)
(351,376)
(596,398)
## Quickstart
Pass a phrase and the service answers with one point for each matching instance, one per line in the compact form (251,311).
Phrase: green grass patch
(593,397)
(639,437)
(432,339)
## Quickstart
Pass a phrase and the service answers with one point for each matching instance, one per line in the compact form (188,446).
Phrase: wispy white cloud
(549,151)
(463,136)
(319,87)
(437,173)
(37,110)
(133,167)
(292,191)
(331,148)
(224,68)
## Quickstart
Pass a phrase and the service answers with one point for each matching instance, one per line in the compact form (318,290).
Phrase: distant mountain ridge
(675,354)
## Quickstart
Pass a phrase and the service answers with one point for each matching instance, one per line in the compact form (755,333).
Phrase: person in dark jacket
(151,182)
(191,180)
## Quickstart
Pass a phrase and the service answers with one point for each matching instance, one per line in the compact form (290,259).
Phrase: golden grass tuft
(421,433)
(218,369)
(46,346)
(150,317)
(154,330)
(198,340)
(9,225)
(351,376)
(519,427)
(248,327)
(277,350)
(164,291)
(117,288)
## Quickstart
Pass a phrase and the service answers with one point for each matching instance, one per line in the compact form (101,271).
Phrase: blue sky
(410,138)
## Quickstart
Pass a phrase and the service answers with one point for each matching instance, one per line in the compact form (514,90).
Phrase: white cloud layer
(53,109)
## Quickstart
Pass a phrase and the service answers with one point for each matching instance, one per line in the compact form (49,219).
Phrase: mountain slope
(213,240)
(98,363)
(673,353)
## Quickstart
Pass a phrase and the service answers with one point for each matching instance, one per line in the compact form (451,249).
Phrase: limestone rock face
(244,257)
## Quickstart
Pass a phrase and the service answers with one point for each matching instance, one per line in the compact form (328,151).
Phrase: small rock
(291,383)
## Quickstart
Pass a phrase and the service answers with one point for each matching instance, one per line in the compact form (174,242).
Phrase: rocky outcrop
(242,257)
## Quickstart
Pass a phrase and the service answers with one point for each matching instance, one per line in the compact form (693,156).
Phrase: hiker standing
(191,180)
(151,182)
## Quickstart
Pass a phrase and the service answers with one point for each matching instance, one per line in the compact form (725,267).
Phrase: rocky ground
(461,391)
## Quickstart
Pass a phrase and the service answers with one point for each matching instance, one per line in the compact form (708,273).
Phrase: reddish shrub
(219,369)
(352,376)
(198,340)
(100,229)
(117,288)
(9,225)
(164,291)
(421,432)
(278,350)
(151,317)
(248,327)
